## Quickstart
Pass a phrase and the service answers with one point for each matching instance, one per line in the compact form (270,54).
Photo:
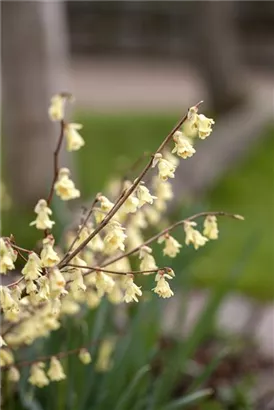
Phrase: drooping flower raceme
(183,147)
(132,290)
(204,126)
(73,138)
(56,109)
(37,375)
(84,356)
(55,371)
(162,288)
(43,212)
(166,168)
(7,256)
(64,186)
(114,238)
(210,227)
(172,247)
(48,255)
(193,236)
(33,268)
(144,195)
(147,260)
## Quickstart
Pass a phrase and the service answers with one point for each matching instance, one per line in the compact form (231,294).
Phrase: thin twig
(56,160)
(18,248)
(59,355)
(166,230)
(124,196)
(99,269)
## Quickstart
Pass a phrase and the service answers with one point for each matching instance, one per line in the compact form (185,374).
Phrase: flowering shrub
(96,261)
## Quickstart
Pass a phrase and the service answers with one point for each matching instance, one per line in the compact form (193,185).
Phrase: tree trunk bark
(33,61)
(217,54)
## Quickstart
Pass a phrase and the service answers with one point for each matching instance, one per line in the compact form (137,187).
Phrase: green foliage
(144,374)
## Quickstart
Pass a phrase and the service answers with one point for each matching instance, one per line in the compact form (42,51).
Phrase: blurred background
(134,68)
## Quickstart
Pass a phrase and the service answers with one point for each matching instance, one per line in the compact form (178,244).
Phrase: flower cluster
(96,261)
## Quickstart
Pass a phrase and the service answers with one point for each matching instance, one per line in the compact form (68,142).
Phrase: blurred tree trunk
(33,61)
(217,52)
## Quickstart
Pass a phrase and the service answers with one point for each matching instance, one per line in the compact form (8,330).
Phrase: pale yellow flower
(13,374)
(57,108)
(134,237)
(104,283)
(7,256)
(32,269)
(131,204)
(69,306)
(6,357)
(73,138)
(49,257)
(189,128)
(144,195)
(55,371)
(132,290)
(114,238)
(57,282)
(204,126)
(166,168)
(152,214)
(30,286)
(116,295)
(172,247)
(37,375)
(163,190)
(7,302)
(193,236)
(85,356)
(77,281)
(183,147)
(42,220)
(105,206)
(64,186)
(44,288)
(162,288)
(106,348)
(92,298)
(210,227)
(147,260)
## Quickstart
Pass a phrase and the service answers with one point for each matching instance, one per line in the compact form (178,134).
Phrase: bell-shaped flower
(33,268)
(37,375)
(147,260)
(55,371)
(56,110)
(48,255)
(114,238)
(73,138)
(194,236)
(85,356)
(132,290)
(210,227)
(7,256)
(64,186)
(43,212)
(172,247)
(162,288)
(183,147)
(144,195)
(204,126)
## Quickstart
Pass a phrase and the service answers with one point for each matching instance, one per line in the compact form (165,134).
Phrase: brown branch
(59,355)
(166,230)
(55,161)
(124,196)
(19,248)
(99,269)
